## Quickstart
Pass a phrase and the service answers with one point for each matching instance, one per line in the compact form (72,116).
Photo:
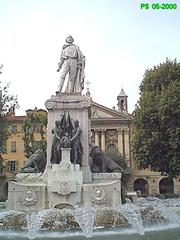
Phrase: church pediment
(98,113)
(101,112)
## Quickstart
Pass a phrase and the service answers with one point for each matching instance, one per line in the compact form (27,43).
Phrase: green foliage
(157,127)
(8,104)
(35,120)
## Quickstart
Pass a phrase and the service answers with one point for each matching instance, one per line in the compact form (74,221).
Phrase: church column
(120,140)
(96,137)
(103,144)
(126,141)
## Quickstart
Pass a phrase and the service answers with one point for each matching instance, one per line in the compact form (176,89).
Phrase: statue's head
(76,123)
(58,123)
(69,39)
(95,151)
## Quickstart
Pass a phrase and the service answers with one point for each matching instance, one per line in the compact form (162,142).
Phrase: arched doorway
(141,185)
(166,185)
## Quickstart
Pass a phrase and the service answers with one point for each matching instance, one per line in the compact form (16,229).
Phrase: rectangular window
(14,129)
(11,166)
(13,146)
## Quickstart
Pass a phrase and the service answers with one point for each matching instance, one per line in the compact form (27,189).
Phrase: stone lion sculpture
(36,163)
(100,163)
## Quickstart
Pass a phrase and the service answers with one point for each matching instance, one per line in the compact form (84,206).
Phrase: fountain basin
(129,219)
(120,234)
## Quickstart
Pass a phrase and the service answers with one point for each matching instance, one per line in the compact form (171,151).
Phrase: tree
(35,122)
(156,140)
(8,104)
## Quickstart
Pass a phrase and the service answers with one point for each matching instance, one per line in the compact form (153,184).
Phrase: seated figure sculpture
(36,163)
(100,163)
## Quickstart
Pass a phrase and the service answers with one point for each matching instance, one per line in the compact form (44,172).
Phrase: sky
(119,40)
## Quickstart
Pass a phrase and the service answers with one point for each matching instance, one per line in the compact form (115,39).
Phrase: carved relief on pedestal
(49,105)
(67,102)
(99,196)
(30,198)
(64,188)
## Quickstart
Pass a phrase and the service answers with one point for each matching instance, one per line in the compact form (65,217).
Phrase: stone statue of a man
(72,62)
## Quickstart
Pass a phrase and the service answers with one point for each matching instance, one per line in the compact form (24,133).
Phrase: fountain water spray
(34,223)
(85,218)
(131,212)
(166,211)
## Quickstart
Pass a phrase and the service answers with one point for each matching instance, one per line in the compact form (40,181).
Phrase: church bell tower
(122,102)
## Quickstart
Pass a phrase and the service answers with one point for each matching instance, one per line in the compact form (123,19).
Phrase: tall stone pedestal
(79,108)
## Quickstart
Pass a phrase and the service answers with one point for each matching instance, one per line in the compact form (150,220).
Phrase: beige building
(110,129)
(14,159)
